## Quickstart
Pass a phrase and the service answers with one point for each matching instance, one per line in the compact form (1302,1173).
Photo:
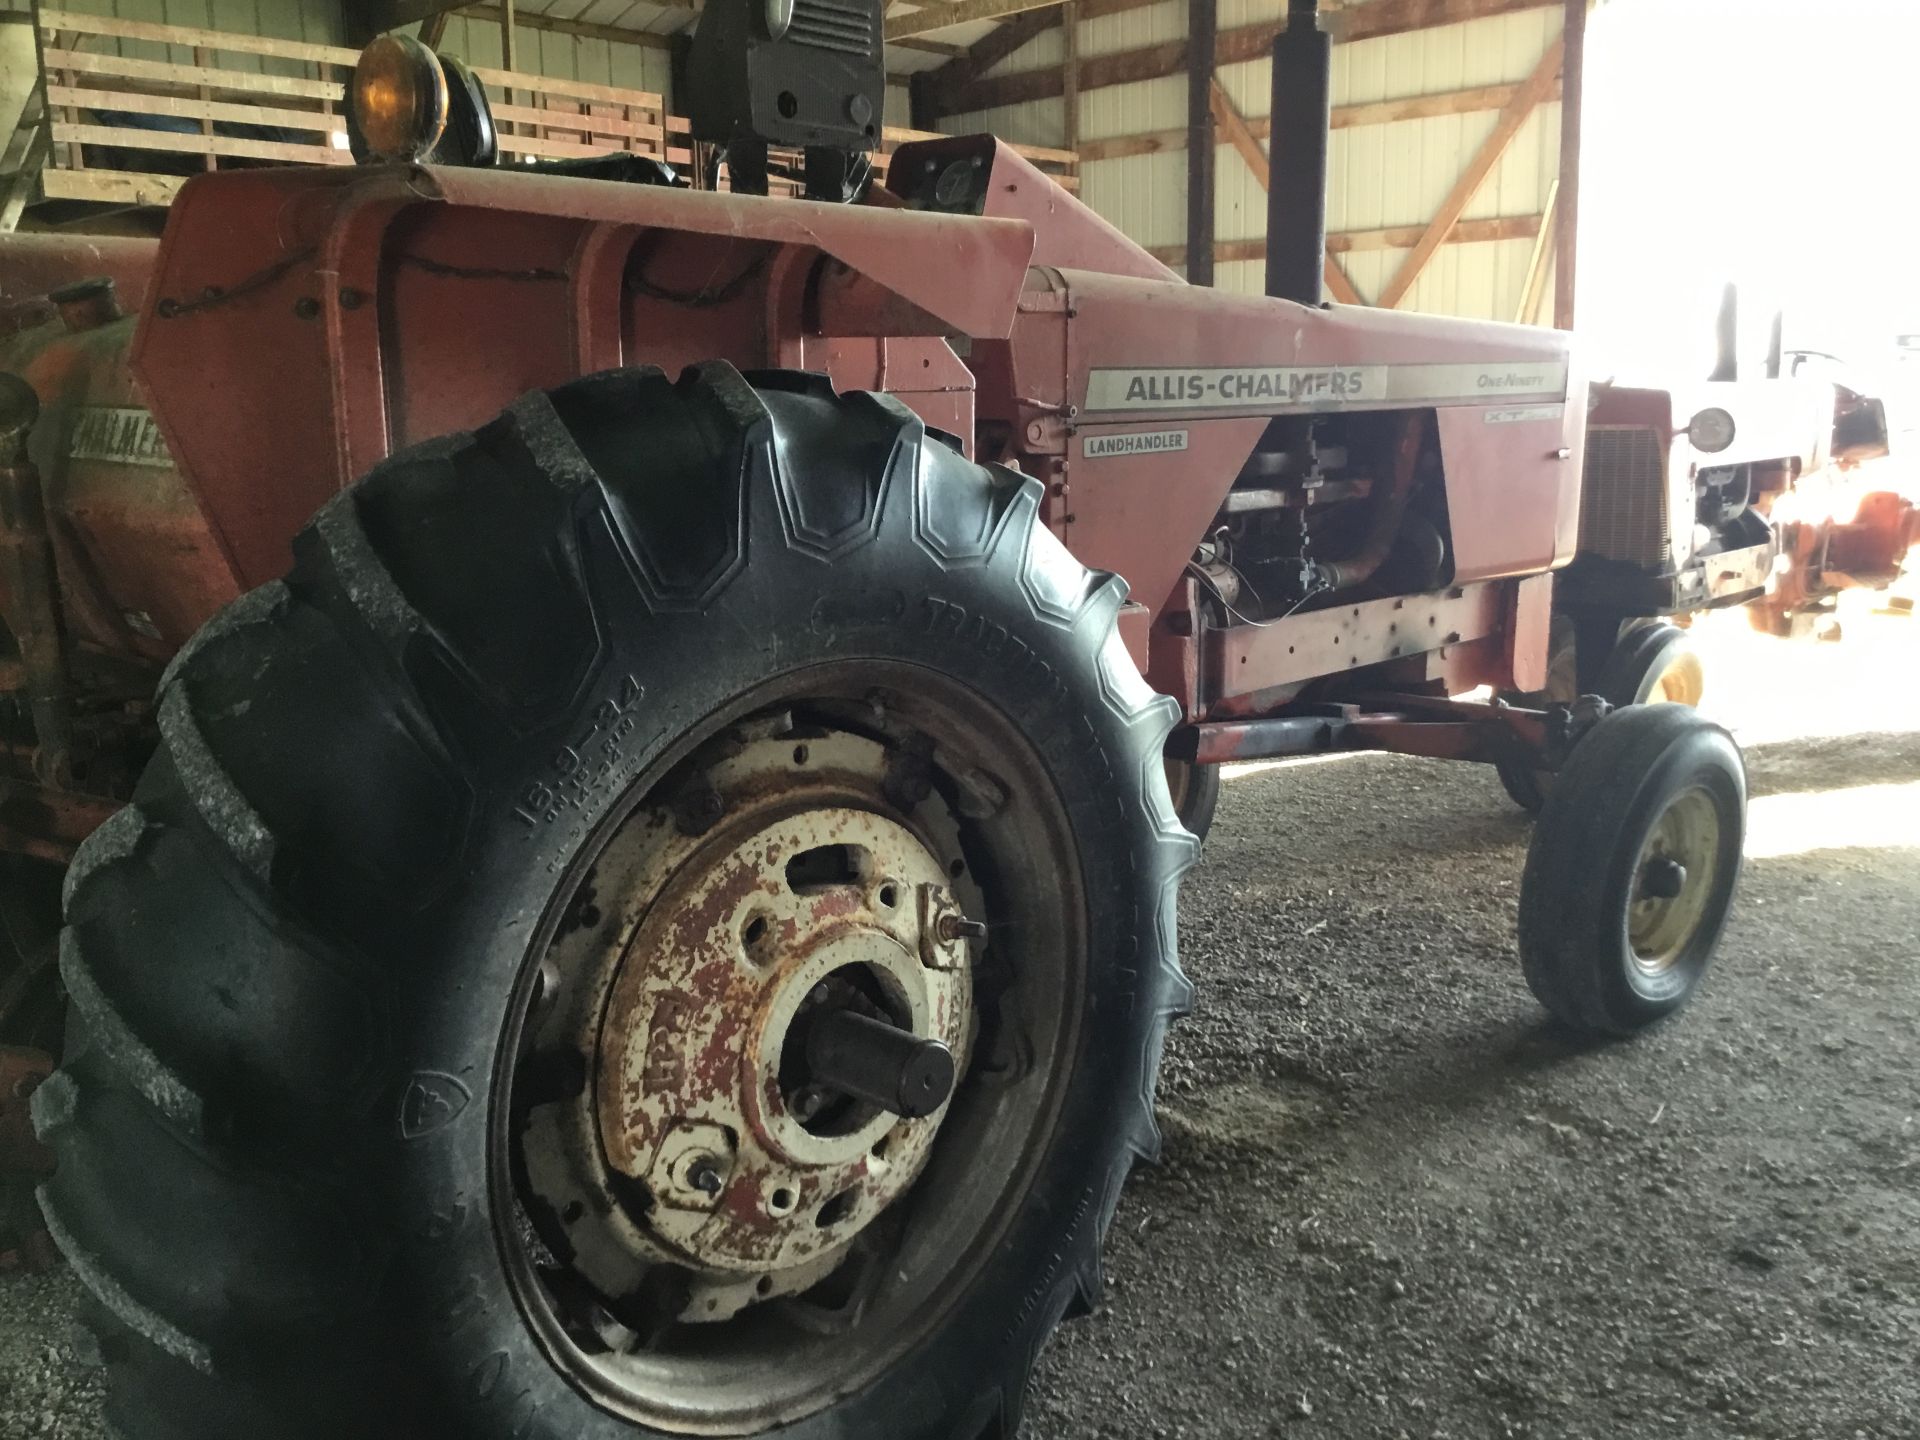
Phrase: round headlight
(1711,431)
(399,98)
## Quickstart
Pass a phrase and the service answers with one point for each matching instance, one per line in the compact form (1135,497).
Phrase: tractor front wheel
(1196,794)
(661,926)
(1655,664)
(1632,869)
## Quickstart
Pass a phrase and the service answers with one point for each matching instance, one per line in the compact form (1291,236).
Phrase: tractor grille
(1623,497)
(833,25)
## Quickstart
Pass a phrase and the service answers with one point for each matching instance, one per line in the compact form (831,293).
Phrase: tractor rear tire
(324,969)
(1196,794)
(1632,869)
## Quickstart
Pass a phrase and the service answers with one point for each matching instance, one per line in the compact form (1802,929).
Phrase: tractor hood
(303,324)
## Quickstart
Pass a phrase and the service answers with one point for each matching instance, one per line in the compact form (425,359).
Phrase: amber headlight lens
(399,98)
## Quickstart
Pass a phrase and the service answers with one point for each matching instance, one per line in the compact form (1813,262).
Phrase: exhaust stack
(1302,112)
(1726,336)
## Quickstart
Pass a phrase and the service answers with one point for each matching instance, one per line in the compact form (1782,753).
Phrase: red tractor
(660,920)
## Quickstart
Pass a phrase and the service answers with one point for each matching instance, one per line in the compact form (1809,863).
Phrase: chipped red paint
(689,981)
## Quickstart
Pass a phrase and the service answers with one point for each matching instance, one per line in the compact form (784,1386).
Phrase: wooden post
(1566,234)
(1203,18)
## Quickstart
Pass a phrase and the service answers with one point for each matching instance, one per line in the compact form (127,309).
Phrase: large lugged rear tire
(321,970)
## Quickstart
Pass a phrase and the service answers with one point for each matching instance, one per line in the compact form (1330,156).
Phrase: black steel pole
(1202,28)
(1302,114)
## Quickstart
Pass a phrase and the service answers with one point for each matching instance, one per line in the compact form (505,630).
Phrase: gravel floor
(1396,1203)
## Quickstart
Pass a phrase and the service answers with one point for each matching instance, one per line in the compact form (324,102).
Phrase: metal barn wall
(316,21)
(1380,176)
(561,57)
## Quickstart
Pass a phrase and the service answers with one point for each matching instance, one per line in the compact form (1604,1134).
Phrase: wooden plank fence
(128,130)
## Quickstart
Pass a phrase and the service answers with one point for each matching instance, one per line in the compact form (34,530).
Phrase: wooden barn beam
(1475,175)
(938,16)
(1345,117)
(1239,134)
(497,14)
(933,90)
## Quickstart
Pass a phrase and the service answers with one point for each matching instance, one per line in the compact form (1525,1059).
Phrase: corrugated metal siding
(1380,176)
(562,57)
(315,21)
(898,110)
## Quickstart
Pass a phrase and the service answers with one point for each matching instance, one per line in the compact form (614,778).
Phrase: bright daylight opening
(1755,149)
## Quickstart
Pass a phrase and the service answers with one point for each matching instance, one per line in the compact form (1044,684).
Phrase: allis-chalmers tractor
(630,862)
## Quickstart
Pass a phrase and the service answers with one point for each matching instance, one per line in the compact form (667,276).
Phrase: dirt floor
(1396,1203)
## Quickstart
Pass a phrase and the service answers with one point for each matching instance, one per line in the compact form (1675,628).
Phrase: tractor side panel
(1169,388)
(1511,500)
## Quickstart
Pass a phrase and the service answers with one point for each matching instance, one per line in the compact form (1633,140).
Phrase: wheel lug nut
(958,927)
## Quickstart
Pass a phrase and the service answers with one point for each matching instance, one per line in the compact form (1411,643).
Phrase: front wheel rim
(752,1250)
(1675,877)
(1681,680)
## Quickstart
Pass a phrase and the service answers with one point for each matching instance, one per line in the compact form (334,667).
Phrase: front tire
(1196,794)
(1655,664)
(321,1114)
(1632,869)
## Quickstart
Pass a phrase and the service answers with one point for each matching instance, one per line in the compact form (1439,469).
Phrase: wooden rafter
(932,89)
(1239,134)
(1345,117)
(496,15)
(939,16)
(1516,114)
(1241,43)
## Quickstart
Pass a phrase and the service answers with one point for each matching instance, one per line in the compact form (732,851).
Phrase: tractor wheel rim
(1673,882)
(1179,778)
(1681,681)
(731,1229)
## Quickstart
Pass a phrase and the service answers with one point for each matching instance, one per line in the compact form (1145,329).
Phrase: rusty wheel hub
(757,1167)
(769,979)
